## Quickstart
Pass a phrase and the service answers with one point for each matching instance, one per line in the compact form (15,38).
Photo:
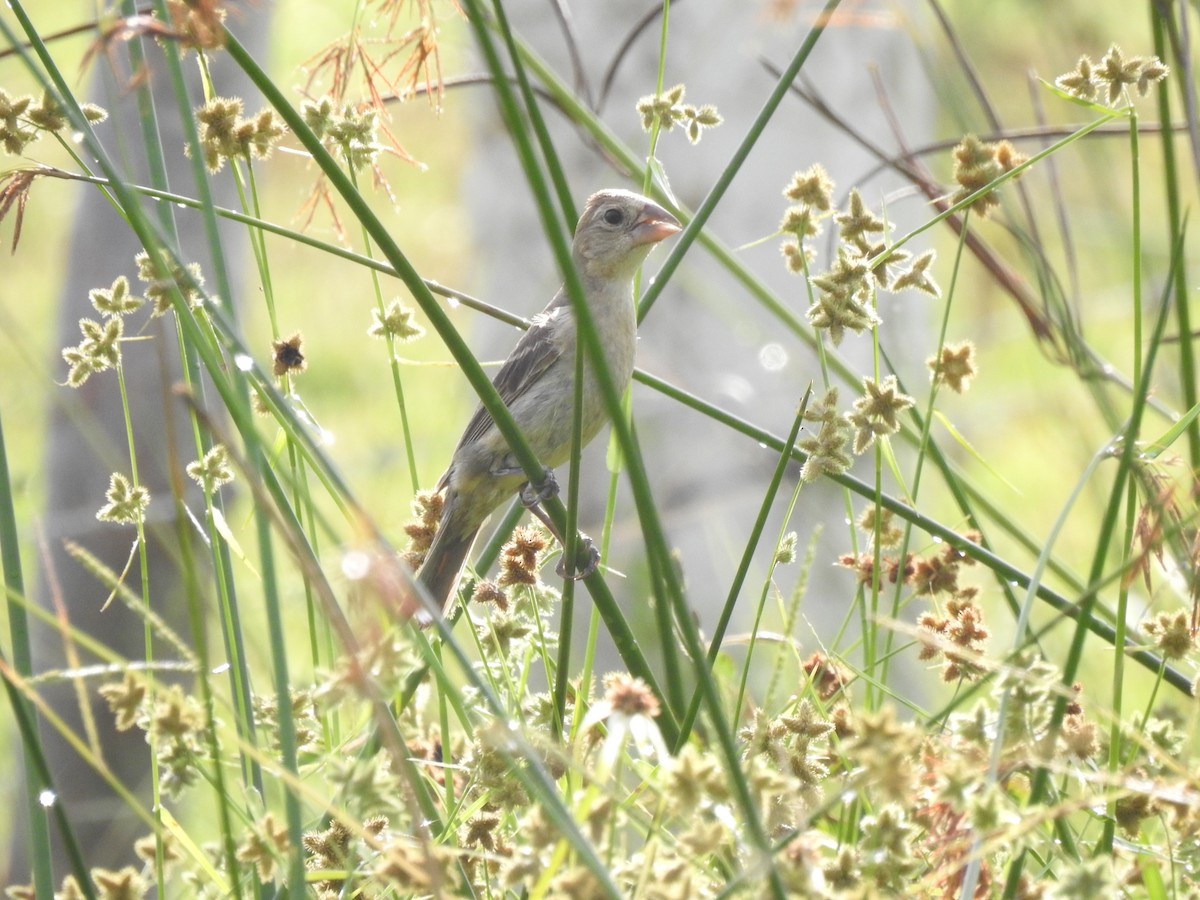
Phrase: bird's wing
(535,352)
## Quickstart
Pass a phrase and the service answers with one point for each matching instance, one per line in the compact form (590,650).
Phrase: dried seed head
(1171,633)
(813,187)
(629,695)
(487,592)
(521,556)
(395,322)
(288,356)
(954,366)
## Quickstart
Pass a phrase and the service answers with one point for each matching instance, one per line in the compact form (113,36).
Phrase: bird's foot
(585,543)
(532,496)
(593,561)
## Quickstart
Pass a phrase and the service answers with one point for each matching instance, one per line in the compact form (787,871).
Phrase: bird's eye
(613,216)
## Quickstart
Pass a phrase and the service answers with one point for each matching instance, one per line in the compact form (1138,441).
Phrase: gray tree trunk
(706,334)
(87,442)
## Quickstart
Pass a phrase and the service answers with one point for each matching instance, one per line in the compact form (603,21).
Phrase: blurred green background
(1031,421)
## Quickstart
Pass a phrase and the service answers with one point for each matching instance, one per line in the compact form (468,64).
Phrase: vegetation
(371,748)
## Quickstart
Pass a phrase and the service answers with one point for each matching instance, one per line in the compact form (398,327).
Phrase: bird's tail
(443,565)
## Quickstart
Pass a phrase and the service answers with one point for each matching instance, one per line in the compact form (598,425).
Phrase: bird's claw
(593,561)
(532,496)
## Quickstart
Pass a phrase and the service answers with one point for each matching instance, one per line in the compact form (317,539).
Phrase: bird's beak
(654,224)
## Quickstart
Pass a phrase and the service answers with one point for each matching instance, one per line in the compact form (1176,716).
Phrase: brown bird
(537,382)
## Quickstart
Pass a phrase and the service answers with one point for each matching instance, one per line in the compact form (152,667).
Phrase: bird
(616,231)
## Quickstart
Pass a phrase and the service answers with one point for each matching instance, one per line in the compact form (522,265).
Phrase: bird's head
(616,231)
